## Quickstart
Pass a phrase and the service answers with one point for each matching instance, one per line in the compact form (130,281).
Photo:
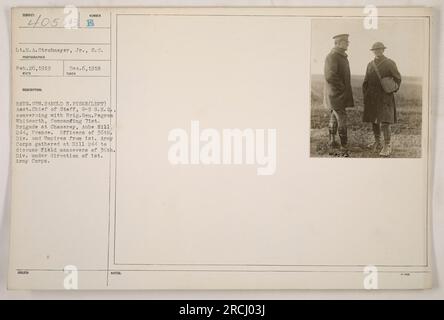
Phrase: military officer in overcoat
(338,92)
(379,106)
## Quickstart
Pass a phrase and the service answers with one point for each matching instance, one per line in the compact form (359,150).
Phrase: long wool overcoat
(380,106)
(337,87)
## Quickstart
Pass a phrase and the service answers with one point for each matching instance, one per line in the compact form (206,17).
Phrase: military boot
(386,150)
(332,141)
(343,151)
(375,146)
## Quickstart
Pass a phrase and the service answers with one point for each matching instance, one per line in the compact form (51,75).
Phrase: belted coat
(337,86)
(380,106)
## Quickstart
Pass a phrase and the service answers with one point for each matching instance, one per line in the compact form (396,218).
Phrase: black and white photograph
(367,88)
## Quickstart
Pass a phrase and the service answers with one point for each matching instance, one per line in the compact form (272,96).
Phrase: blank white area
(246,72)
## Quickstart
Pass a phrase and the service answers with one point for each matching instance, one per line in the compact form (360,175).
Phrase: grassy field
(406,134)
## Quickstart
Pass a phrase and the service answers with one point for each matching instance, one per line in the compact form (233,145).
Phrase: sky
(404,38)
